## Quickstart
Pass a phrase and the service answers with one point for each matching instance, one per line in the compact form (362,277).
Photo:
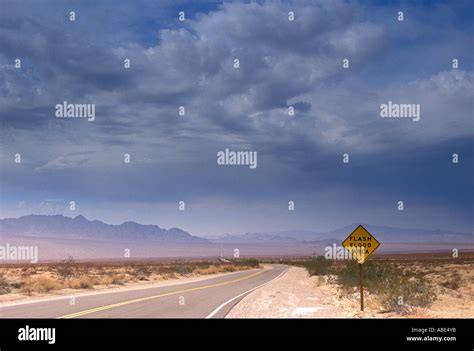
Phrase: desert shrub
(119,279)
(17,284)
(397,290)
(106,280)
(141,277)
(206,270)
(318,266)
(65,268)
(40,285)
(167,276)
(79,270)
(82,282)
(27,271)
(4,286)
(229,268)
(453,282)
(143,271)
(247,262)
(184,269)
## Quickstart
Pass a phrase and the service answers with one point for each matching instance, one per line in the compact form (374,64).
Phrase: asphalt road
(209,298)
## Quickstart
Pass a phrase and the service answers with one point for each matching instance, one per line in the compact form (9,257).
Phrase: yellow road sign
(360,243)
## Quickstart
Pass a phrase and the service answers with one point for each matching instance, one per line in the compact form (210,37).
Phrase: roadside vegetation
(32,279)
(396,288)
(4,286)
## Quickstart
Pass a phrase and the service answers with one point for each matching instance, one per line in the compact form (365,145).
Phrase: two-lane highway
(209,298)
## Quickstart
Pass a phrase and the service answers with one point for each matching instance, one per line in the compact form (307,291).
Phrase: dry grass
(82,282)
(41,284)
(106,280)
(5,288)
(29,279)
(209,270)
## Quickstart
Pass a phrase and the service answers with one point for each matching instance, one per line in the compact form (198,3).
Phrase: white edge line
(213,313)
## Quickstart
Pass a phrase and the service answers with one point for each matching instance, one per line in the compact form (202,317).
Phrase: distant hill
(382,233)
(58,237)
(79,227)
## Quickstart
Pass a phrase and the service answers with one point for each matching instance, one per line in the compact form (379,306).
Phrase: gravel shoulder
(298,295)
(294,295)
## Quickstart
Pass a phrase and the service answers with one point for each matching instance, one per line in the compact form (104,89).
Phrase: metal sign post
(361,274)
(361,244)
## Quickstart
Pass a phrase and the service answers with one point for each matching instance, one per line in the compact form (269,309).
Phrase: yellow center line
(119,304)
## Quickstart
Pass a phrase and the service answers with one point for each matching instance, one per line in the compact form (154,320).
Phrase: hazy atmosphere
(182,100)
(192,160)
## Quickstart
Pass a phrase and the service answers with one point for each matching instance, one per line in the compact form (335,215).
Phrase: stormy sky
(283,63)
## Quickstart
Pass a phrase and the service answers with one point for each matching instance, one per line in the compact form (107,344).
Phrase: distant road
(209,298)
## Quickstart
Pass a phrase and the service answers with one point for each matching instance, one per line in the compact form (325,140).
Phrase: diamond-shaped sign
(360,243)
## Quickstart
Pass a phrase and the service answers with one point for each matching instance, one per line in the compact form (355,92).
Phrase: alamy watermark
(67,110)
(394,110)
(334,252)
(237,158)
(18,253)
(37,334)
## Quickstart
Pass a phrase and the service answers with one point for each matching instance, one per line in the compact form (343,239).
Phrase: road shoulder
(293,295)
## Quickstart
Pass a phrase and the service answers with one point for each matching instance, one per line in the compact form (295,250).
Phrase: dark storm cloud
(190,64)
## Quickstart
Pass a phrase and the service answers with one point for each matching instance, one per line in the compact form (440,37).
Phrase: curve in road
(209,298)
